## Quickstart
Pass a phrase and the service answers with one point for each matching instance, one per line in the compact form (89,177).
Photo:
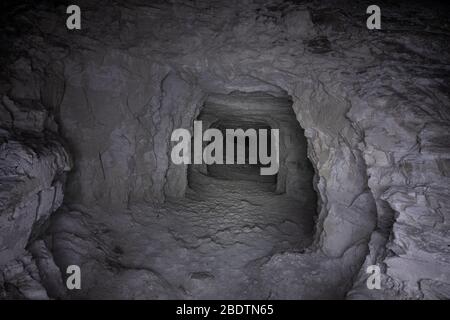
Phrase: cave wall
(118,113)
(34,163)
(374,107)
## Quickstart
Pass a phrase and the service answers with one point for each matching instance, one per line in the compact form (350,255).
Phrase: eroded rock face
(374,107)
(33,165)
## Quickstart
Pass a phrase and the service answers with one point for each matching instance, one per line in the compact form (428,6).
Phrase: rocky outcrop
(34,163)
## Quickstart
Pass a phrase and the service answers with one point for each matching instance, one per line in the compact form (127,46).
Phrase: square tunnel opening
(259,111)
(246,171)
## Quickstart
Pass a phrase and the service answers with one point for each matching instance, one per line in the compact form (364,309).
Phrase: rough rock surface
(33,163)
(374,107)
(209,245)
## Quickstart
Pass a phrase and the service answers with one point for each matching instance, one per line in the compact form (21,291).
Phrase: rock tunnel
(87,177)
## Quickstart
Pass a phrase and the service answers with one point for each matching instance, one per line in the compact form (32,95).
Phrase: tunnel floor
(209,245)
